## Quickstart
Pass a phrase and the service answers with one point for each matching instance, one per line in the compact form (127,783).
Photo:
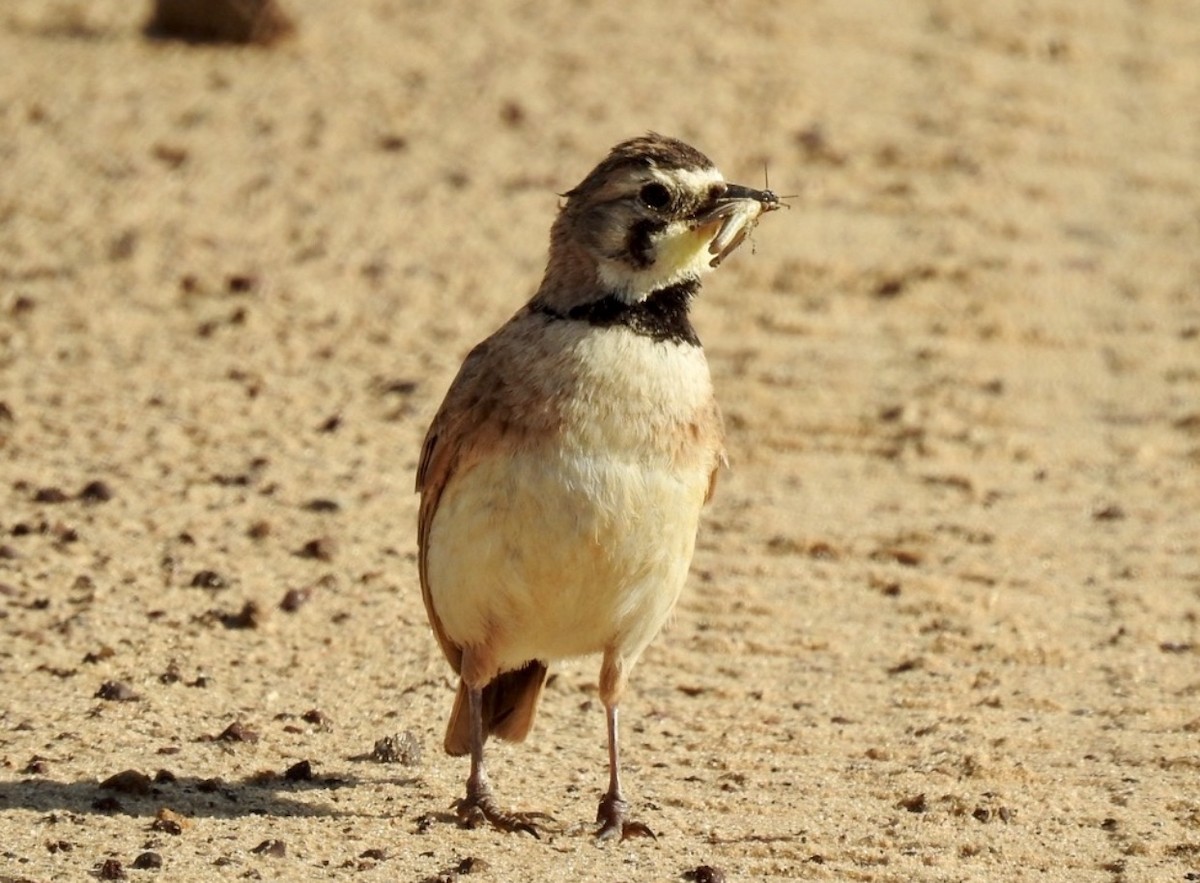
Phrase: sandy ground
(944,619)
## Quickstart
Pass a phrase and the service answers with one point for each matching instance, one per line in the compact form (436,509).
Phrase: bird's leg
(480,805)
(613,812)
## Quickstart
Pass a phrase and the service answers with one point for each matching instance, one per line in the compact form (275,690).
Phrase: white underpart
(581,544)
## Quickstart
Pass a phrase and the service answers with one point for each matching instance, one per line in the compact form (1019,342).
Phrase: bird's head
(654,213)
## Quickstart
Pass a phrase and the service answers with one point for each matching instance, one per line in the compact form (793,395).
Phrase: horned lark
(562,479)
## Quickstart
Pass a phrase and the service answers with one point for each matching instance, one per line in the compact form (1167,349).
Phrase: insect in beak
(738,210)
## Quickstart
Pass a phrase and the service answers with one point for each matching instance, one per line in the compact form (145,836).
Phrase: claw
(475,810)
(624,831)
(613,822)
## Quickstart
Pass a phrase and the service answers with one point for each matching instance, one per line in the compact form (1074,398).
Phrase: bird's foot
(614,821)
(479,806)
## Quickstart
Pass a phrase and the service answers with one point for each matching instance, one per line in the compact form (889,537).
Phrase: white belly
(546,555)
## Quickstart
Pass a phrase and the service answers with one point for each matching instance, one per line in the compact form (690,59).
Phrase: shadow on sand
(139,795)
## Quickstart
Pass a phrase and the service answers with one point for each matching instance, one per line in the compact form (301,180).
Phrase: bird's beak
(734,216)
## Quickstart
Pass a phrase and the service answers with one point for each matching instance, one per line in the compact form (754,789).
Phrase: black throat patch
(663,316)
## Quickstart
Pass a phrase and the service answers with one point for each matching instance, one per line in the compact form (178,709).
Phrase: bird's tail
(509,707)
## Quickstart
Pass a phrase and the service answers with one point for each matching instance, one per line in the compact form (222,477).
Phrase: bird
(562,478)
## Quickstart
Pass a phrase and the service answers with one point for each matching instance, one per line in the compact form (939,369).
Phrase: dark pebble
(276,848)
(237,732)
(299,772)
(320,549)
(915,803)
(96,492)
(220,21)
(116,691)
(321,505)
(208,579)
(294,599)
(128,782)
(148,861)
(241,283)
(315,717)
(111,870)
(249,617)
(404,749)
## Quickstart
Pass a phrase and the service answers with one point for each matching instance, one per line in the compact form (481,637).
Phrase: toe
(630,830)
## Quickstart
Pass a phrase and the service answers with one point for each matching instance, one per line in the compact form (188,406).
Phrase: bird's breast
(562,541)
(634,397)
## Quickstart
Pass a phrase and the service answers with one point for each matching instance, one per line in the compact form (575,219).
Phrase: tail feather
(509,708)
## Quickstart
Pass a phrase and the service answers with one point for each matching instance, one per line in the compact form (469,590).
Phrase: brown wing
(437,465)
(461,431)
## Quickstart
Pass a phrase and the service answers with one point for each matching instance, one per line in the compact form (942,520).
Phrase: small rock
(96,492)
(170,822)
(299,772)
(915,803)
(237,732)
(117,691)
(249,617)
(294,599)
(220,21)
(128,782)
(322,505)
(275,848)
(241,283)
(208,579)
(94,656)
(111,869)
(316,718)
(321,549)
(403,748)
(148,861)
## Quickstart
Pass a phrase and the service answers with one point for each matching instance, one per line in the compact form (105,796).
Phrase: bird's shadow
(190,796)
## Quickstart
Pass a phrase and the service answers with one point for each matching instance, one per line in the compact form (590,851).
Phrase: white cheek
(681,253)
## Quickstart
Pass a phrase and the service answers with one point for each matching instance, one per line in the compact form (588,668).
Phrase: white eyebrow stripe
(696,180)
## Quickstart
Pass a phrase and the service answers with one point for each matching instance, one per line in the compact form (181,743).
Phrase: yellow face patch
(684,249)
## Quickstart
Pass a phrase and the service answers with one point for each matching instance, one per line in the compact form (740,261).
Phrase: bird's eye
(655,196)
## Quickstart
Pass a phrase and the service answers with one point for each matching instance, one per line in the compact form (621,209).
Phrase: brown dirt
(944,621)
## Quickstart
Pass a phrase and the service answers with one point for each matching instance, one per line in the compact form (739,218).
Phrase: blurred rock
(219,21)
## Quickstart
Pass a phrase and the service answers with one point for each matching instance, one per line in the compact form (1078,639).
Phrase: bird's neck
(572,290)
(662,316)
